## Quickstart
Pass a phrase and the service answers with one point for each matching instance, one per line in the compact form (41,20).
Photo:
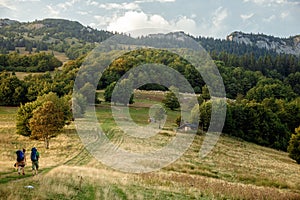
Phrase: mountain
(73,39)
(289,45)
(61,35)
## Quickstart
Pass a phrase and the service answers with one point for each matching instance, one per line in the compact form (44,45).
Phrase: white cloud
(269,19)
(285,14)
(219,15)
(246,17)
(68,4)
(133,20)
(193,16)
(29,0)
(7,4)
(187,25)
(82,12)
(121,6)
(151,1)
(92,3)
(52,11)
(102,21)
(56,10)
(273,2)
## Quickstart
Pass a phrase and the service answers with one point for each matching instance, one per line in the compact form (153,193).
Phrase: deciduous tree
(294,146)
(46,122)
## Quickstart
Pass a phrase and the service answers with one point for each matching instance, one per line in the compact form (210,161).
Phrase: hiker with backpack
(21,161)
(35,155)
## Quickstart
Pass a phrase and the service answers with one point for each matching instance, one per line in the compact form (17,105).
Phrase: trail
(81,158)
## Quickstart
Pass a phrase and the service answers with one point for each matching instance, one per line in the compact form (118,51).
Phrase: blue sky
(216,18)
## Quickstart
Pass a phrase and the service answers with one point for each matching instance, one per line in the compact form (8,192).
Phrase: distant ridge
(74,39)
(289,45)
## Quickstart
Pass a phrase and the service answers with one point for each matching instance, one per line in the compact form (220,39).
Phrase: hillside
(289,45)
(60,35)
(235,169)
(74,39)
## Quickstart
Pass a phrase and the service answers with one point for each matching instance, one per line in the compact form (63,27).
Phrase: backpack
(34,154)
(20,155)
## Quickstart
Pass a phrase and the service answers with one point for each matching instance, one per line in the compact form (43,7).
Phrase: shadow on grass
(14,176)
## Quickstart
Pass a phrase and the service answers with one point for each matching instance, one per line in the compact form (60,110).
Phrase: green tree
(159,115)
(25,112)
(88,91)
(121,96)
(46,122)
(270,88)
(108,91)
(205,115)
(12,90)
(205,93)
(38,85)
(79,104)
(122,92)
(294,146)
(170,101)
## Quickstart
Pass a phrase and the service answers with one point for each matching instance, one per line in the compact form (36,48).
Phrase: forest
(271,104)
(262,87)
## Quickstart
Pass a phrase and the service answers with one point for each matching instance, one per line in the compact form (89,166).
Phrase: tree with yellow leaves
(46,122)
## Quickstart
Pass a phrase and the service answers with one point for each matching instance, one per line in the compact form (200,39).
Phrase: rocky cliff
(289,45)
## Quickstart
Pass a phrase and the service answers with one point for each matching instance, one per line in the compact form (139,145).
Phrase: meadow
(235,169)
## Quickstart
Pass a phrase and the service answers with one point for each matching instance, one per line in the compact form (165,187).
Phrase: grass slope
(233,170)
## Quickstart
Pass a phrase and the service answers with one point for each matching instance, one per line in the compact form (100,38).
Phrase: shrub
(294,146)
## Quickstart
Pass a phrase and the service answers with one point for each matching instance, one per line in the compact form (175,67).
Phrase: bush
(294,146)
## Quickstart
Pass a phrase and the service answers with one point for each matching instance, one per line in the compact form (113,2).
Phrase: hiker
(35,155)
(21,161)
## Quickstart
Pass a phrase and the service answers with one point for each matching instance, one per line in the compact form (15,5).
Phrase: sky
(209,18)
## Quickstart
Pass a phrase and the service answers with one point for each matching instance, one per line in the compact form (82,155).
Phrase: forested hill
(69,37)
(74,39)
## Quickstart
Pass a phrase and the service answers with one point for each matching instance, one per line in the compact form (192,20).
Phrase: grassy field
(233,170)
(60,56)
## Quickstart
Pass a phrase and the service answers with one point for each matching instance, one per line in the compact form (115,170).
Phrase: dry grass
(60,56)
(62,148)
(233,170)
(67,181)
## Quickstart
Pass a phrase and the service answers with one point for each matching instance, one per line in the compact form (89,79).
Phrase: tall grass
(233,170)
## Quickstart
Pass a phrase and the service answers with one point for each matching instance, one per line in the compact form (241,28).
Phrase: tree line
(260,109)
(39,62)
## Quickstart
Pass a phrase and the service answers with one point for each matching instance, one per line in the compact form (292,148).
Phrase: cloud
(92,3)
(68,4)
(82,12)
(133,20)
(245,16)
(29,0)
(273,2)
(53,12)
(102,21)
(284,15)
(56,10)
(7,4)
(269,19)
(219,15)
(152,1)
(187,25)
(121,6)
